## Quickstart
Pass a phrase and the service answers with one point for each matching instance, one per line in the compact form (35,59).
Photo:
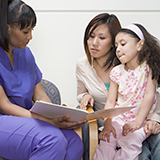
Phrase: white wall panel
(58,37)
(96,5)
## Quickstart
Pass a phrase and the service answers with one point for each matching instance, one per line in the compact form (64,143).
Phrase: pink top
(132,86)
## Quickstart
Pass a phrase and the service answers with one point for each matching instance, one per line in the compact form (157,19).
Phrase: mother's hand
(152,127)
(63,123)
(86,99)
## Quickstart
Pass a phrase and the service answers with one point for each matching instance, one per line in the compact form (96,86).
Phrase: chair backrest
(52,91)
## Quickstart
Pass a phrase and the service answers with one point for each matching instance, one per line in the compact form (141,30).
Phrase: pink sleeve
(115,75)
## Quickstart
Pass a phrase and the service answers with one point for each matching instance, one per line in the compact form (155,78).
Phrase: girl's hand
(151,127)
(130,127)
(63,123)
(108,128)
(86,99)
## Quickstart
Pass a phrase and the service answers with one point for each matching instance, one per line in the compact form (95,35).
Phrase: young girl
(135,82)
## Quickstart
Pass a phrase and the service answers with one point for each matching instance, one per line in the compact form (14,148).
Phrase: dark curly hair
(150,51)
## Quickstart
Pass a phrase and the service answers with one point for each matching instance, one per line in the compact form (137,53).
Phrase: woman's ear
(9,28)
(140,45)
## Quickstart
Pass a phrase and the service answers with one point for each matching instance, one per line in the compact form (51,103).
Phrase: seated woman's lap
(28,138)
(151,148)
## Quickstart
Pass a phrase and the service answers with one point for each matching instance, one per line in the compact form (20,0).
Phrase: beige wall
(58,37)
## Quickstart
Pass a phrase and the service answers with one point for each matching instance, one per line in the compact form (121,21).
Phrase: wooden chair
(54,94)
(93,135)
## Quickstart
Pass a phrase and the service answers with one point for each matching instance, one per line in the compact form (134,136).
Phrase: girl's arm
(145,107)
(112,95)
(110,103)
(148,99)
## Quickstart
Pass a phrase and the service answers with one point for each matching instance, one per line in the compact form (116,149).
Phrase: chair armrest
(93,135)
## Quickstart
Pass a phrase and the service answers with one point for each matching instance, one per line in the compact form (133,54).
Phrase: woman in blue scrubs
(25,135)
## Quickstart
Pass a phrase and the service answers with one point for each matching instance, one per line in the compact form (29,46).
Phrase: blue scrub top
(19,82)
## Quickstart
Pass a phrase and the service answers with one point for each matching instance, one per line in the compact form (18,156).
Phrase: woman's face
(19,38)
(100,42)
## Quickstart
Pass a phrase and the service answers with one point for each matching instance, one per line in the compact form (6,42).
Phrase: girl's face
(19,38)
(127,48)
(100,42)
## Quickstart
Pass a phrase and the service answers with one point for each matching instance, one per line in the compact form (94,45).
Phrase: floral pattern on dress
(132,86)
